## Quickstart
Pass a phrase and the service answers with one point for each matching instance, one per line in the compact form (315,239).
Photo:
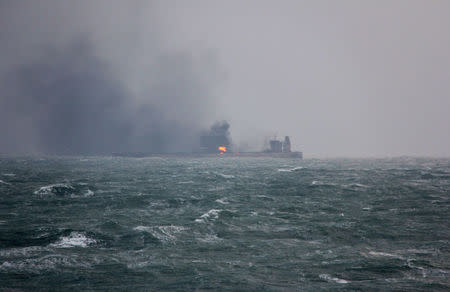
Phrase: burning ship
(217,141)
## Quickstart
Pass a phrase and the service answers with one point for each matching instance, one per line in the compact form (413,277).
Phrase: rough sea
(234,224)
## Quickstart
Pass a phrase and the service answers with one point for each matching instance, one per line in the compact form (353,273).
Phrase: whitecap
(3,182)
(8,174)
(54,189)
(359,185)
(138,264)
(316,183)
(227,176)
(164,233)
(212,214)
(89,193)
(382,254)
(75,239)
(209,238)
(334,279)
(222,201)
(186,182)
(142,228)
(290,169)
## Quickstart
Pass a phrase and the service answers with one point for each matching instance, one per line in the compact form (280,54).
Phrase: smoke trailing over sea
(81,91)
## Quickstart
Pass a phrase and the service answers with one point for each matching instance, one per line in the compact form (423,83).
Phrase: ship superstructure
(278,146)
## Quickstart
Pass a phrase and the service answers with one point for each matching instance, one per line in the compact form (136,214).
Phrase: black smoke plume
(71,101)
(218,135)
(221,128)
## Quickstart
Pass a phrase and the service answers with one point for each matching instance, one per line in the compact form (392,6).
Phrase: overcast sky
(342,78)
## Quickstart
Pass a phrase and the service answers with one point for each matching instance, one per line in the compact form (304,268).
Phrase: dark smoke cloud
(96,78)
(217,136)
(220,128)
(70,101)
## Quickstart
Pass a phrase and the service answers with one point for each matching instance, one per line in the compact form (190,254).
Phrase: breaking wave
(222,201)
(62,189)
(163,233)
(3,182)
(226,176)
(56,189)
(329,278)
(75,239)
(290,169)
(211,215)
(88,193)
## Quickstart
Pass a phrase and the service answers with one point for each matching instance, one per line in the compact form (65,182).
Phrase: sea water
(240,224)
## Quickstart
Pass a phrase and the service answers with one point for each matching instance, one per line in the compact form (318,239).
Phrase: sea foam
(290,169)
(75,239)
(3,182)
(329,278)
(57,189)
(165,233)
(211,215)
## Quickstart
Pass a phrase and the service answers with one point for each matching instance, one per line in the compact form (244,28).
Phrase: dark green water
(238,224)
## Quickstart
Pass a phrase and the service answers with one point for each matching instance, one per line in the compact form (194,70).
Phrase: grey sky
(342,78)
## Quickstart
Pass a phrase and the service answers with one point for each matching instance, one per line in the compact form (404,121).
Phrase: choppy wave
(290,169)
(356,185)
(166,233)
(225,224)
(20,251)
(8,174)
(226,176)
(64,189)
(317,183)
(223,201)
(4,182)
(208,238)
(327,277)
(56,189)
(211,215)
(74,239)
(88,193)
(382,254)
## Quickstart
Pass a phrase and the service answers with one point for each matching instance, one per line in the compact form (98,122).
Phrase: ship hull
(298,155)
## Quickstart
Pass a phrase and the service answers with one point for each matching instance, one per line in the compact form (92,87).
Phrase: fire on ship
(218,141)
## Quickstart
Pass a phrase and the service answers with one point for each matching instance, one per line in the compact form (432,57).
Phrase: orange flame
(222,149)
